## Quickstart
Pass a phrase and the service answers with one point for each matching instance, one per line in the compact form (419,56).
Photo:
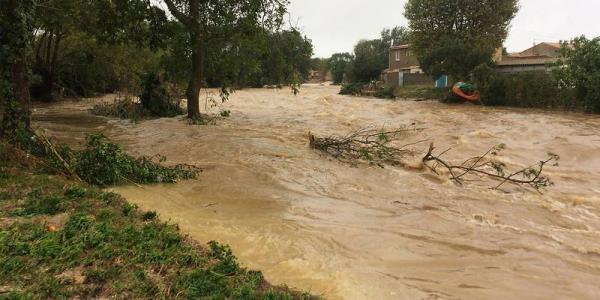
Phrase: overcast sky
(336,25)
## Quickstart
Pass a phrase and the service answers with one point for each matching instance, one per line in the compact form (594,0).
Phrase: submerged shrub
(104,163)
(159,97)
(123,107)
(385,93)
(353,89)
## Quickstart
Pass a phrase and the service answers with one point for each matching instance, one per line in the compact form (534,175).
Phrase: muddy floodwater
(365,232)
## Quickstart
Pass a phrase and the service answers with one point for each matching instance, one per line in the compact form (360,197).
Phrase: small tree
(579,69)
(339,65)
(453,37)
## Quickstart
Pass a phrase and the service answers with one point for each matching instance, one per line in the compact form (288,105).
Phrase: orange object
(50,228)
(475,97)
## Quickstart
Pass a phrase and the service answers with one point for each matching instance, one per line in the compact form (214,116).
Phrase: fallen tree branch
(485,165)
(370,145)
(381,147)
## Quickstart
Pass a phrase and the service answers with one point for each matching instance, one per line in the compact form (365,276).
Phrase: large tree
(453,37)
(16,33)
(339,65)
(211,19)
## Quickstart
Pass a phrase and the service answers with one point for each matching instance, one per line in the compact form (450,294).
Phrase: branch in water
(486,166)
(368,145)
(381,147)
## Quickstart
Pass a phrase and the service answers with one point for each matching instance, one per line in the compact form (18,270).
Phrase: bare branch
(381,147)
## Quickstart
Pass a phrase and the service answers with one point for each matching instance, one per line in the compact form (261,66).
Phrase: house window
(397,55)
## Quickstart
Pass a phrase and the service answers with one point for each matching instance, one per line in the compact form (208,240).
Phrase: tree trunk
(16,111)
(195,84)
(52,67)
(17,114)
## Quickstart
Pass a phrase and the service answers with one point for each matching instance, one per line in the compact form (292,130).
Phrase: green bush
(385,93)
(159,97)
(123,107)
(353,89)
(579,72)
(529,89)
(104,163)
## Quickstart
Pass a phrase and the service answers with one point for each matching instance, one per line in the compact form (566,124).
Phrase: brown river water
(364,232)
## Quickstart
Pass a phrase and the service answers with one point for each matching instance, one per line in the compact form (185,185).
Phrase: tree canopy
(371,57)
(579,69)
(339,65)
(210,20)
(453,37)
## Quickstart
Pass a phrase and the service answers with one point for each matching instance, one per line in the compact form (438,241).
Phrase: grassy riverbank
(61,239)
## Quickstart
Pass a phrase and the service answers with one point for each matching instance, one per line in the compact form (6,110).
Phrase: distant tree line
(367,61)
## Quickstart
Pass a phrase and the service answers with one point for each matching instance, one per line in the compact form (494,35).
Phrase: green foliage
(160,97)
(88,47)
(227,263)
(526,89)
(101,162)
(225,113)
(385,93)
(16,25)
(339,65)
(453,37)
(353,89)
(287,59)
(122,107)
(88,67)
(36,203)
(371,57)
(579,72)
(100,252)
(149,216)
(104,163)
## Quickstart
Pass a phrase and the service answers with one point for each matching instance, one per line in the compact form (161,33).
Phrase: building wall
(523,68)
(391,79)
(402,59)
(395,79)
(418,79)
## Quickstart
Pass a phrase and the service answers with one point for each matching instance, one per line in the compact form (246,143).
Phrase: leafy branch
(485,165)
(381,147)
(370,145)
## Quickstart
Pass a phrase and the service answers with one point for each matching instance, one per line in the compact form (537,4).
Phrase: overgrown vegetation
(101,162)
(528,89)
(385,93)
(452,38)
(353,89)
(572,85)
(60,239)
(158,98)
(579,72)
(388,147)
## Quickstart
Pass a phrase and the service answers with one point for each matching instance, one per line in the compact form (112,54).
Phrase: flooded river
(364,232)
